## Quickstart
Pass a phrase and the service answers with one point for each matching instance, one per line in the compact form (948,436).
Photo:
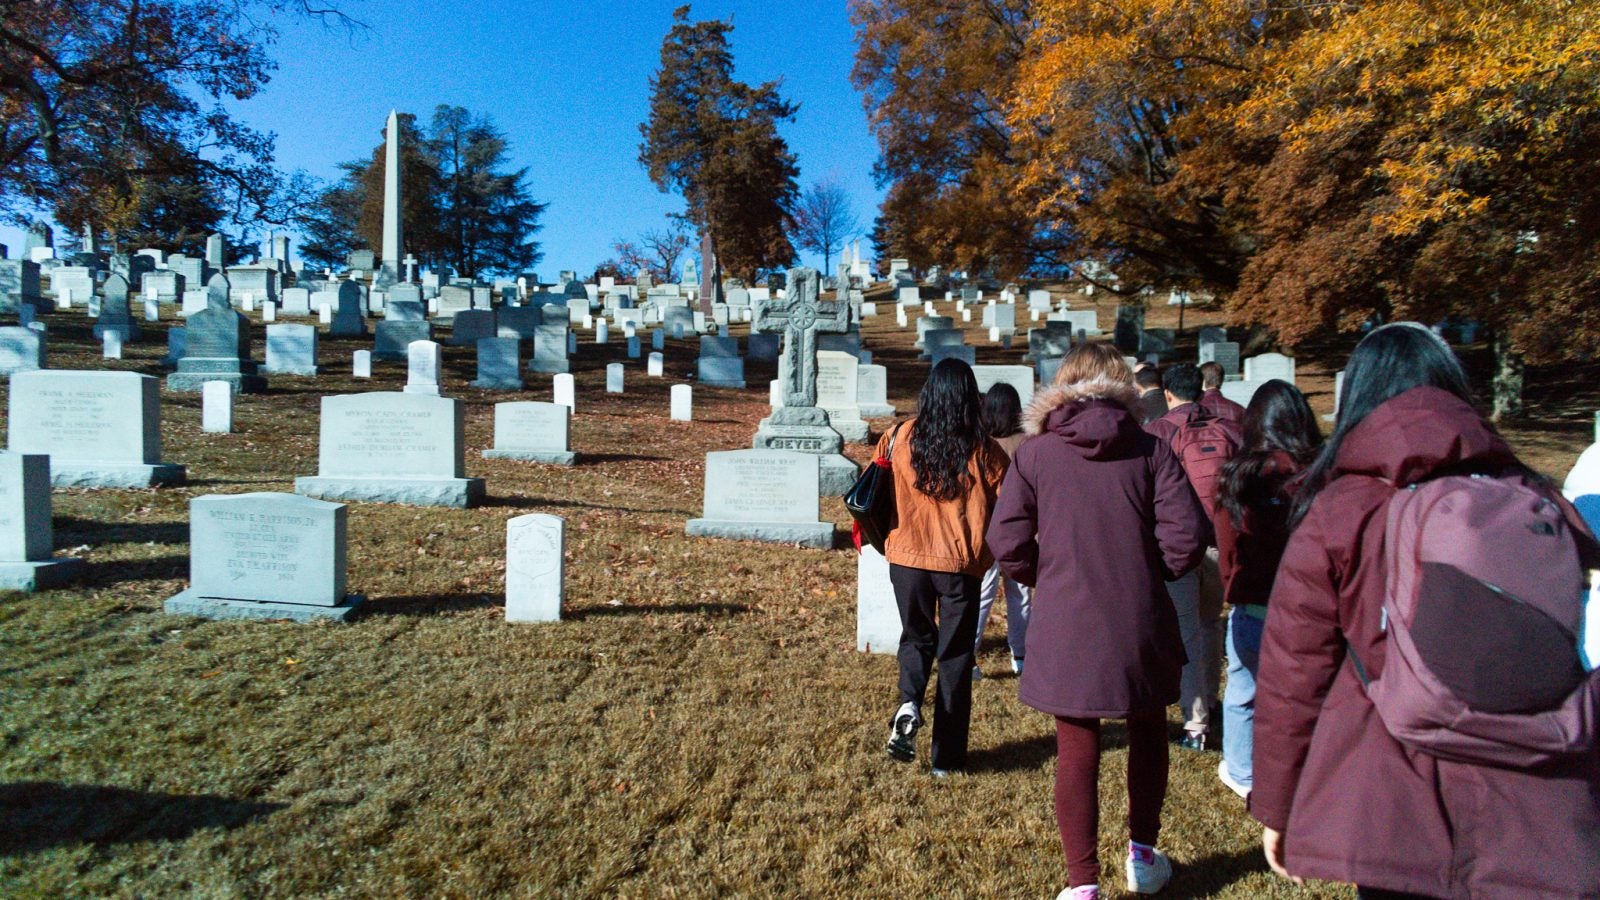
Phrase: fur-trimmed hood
(1096,416)
(1050,399)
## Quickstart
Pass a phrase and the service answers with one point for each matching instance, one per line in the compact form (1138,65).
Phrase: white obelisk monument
(392,243)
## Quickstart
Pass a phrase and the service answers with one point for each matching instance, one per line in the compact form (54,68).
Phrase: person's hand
(1272,845)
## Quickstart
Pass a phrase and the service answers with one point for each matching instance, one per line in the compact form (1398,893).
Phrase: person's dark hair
(1002,410)
(1278,420)
(1147,377)
(1182,381)
(948,430)
(1388,362)
(1212,375)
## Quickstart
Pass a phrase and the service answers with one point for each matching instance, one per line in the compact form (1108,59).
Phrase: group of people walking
(1120,512)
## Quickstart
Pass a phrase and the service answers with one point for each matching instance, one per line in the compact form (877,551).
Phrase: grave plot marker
(266,556)
(27,538)
(763,495)
(390,447)
(100,429)
(532,431)
(536,547)
(682,397)
(216,407)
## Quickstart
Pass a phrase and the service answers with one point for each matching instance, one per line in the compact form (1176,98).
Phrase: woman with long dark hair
(1002,420)
(947,472)
(1339,797)
(1097,515)
(1255,495)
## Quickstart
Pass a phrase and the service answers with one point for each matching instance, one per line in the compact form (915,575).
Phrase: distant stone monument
(799,424)
(532,431)
(115,314)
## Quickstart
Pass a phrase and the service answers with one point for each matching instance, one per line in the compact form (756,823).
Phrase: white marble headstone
(536,548)
(682,403)
(566,391)
(216,407)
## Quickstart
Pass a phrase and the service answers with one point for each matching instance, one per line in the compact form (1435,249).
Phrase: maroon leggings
(1078,790)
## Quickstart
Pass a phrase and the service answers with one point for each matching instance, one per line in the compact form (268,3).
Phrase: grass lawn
(699,724)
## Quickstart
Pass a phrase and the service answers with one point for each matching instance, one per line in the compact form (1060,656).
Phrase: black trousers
(938,620)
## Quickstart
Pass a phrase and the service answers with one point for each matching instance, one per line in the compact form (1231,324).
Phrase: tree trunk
(1507,378)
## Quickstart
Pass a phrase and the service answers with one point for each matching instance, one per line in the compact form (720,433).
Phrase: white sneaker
(977,673)
(903,731)
(1150,877)
(1236,787)
(1082,892)
(1016,664)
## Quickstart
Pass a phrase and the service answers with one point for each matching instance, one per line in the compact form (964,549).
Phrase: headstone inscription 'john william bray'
(392,448)
(763,495)
(799,424)
(100,429)
(265,556)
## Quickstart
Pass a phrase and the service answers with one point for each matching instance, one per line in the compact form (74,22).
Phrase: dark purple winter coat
(1097,515)
(1355,805)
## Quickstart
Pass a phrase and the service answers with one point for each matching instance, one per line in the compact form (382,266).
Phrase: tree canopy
(935,76)
(460,206)
(102,102)
(714,140)
(1315,164)
(823,220)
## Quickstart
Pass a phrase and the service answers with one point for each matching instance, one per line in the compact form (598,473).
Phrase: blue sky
(568,82)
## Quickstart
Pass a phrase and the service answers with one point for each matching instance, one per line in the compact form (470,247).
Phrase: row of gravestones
(267,555)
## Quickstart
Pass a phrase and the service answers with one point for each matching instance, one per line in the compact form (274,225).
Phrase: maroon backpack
(1204,443)
(1486,583)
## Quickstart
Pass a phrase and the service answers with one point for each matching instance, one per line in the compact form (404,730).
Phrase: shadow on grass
(594,459)
(1030,754)
(117,571)
(1210,875)
(518,501)
(640,609)
(226,482)
(38,815)
(1026,755)
(72,531)
(426,605)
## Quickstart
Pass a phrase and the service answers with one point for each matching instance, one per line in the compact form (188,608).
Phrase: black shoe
(1192,741)
(903,731)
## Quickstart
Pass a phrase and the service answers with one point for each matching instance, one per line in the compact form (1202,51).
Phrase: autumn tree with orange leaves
(935,77)
(1318,164)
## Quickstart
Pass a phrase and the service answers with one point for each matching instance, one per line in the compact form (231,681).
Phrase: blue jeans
(1239,698)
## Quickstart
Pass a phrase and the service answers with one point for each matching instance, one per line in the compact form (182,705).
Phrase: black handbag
(871,499)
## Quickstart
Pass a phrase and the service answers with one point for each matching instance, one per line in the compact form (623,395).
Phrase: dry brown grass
(698,725)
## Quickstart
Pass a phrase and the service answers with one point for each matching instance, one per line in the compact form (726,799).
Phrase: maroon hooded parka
(1354,804)
(1097,515)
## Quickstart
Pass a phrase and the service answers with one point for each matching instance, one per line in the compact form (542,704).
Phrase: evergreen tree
(487,219)
(459,209)
(715,141)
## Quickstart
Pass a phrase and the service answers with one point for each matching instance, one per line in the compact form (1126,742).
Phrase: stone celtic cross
(802,316)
